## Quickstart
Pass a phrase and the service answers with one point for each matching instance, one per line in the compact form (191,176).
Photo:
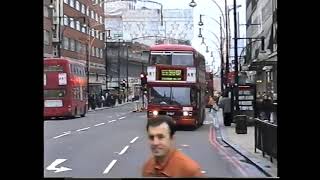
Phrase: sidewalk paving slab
(244,145)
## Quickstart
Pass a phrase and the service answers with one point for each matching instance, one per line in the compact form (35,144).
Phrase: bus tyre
(203,117)
(84,112)
(196,125)
(75,113)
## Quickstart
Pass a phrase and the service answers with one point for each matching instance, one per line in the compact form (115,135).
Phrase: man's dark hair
(156,121)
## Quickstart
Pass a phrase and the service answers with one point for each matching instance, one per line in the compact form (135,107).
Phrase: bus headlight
(155,113)
(185,113)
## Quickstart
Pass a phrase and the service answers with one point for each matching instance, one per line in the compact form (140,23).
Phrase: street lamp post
(225,21)
(106,57)
(127,73)
(218,22)
(119,46)
(127,69)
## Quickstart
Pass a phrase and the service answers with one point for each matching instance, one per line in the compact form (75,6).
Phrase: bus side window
(74,93)
(77,69)
(78,94)
(71,68)
(193,96)
(82,72)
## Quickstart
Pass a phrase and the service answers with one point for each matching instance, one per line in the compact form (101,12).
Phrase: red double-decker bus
(65,88)
(176,84)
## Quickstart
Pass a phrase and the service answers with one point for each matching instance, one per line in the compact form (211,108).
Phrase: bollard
(241,124)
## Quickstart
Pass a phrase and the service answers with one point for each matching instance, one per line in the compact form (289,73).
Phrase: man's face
(159,139)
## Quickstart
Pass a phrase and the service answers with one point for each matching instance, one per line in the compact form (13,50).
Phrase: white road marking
(99,124)
(184,145)
(133,140)
(83,129)
(52,166)
(65,133)
(112,121)
(106,171)
(124,150)
(122,117)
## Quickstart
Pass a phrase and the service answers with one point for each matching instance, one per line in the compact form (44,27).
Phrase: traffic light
(143,79)
(123,84)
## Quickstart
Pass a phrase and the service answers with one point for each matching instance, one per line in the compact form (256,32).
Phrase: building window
(65,20)
(65,1)
(72,45)
(77,5)
(65,43)
(46,35)
(71,3)
(88,12)
(100,36)
(71,23)
(78,46)
(92,51)
(45,11)
(101,53)
(92,14)
(83,9)
(83,48)
(78,25)
(97,18)
(97,34)
(92,32)
(83,29)
(101,20)
(97,52)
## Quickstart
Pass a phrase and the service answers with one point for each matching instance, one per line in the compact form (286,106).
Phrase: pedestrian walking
(225,104)
(210,103)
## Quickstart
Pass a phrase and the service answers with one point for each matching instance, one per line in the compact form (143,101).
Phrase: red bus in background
(65,88)
(176,84)
(209,87)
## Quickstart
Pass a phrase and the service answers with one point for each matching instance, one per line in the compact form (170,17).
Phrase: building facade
(261,64)
(75,29)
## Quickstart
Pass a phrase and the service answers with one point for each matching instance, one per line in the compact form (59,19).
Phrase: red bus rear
(65,88)
(176,84)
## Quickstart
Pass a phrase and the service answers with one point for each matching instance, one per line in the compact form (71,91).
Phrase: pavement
(244,145)
(102,108)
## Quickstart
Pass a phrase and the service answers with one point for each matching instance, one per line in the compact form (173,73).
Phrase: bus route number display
(171,75)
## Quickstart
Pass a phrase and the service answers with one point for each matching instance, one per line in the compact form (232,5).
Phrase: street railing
(265,138)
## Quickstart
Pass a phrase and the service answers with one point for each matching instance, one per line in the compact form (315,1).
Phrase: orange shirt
(176,164)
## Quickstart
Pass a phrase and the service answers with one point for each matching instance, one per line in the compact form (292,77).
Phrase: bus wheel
(196,125)
(84,112)
(203,116)
(75,113)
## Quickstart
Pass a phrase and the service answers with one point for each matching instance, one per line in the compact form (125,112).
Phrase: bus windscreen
(170,95)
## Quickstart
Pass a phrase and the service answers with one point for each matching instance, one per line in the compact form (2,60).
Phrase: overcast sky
(210,9)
